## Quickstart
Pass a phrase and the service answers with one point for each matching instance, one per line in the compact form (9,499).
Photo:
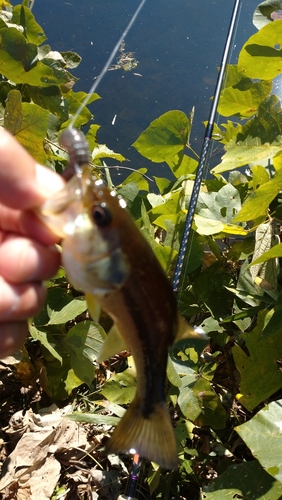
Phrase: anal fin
(186,331)
(112,345)
(94,307)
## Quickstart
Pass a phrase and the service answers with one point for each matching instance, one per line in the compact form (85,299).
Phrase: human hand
(27,251)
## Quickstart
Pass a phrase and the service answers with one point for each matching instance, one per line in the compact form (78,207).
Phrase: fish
(106,256)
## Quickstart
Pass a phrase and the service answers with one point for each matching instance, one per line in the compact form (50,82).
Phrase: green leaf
(189,404)
(84,341)
(213,413)
(247,481)
(20,64)
(217,211)
(165,137)
(242,97)
(261,55)
(274,253)
(260,376)
(182,164)
(32,30)
(46,339)
(272,326)
(221,206)
(50,98)
(260,176)
(161,183)
(169,204)
(68,312)
(257,204)
(121,387)
(72,59)
(102,151)
(207,227)
(93,418)
(263,435)
(138,178)
(28,123)
(241,154)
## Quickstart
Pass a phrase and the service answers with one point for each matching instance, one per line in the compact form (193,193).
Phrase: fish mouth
(62,209)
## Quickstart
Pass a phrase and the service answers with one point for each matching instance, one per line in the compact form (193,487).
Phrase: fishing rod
(132,480)
(204,151)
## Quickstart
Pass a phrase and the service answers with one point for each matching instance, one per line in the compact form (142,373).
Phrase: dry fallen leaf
(32,469)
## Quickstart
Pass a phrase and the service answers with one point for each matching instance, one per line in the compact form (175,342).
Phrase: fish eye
(101,215)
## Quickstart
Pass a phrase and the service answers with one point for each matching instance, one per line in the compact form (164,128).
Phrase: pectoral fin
(93,307)
(186,331)
(112,345)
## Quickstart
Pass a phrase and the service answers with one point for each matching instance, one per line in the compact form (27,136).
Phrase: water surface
(178,44)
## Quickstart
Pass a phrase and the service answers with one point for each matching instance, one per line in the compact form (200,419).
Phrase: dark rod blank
(204,152)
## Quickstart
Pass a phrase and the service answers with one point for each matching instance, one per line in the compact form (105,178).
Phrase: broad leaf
(20,64)
(46,339)
(274,253)
(28,123)
(68,312)
(263,435)
(84,341)
(257,204)
(93,418)
(260,57)
(24,17)
(247,481)
(165,137)
(260,376)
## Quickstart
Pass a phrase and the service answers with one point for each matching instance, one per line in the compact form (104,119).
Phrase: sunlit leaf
(263,435)
(84,341)
(247,480)
(260,376)
(241,154)
(19,62)
(274,253)
(243,98)
(139,179)
(189,404)
(260,57)
(28,123)
(208,227)
(68,312)
(121,387)
(165,137)
(257,204)
(46,339)
(23,16)
(93,418)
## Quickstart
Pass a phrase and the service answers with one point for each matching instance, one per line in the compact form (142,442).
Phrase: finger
(25,223)
(23,183)
(19,302)
(23,260)
(12,337)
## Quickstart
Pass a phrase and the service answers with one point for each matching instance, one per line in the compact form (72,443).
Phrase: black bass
(106,256)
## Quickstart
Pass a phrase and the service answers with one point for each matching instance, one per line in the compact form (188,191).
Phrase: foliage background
(225,397)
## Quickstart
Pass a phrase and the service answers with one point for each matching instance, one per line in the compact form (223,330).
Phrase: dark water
(178,44)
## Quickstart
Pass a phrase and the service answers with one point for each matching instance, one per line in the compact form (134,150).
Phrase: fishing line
(204,151)
(107,65)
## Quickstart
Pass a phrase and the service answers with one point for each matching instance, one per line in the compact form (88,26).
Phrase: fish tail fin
(151,437)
